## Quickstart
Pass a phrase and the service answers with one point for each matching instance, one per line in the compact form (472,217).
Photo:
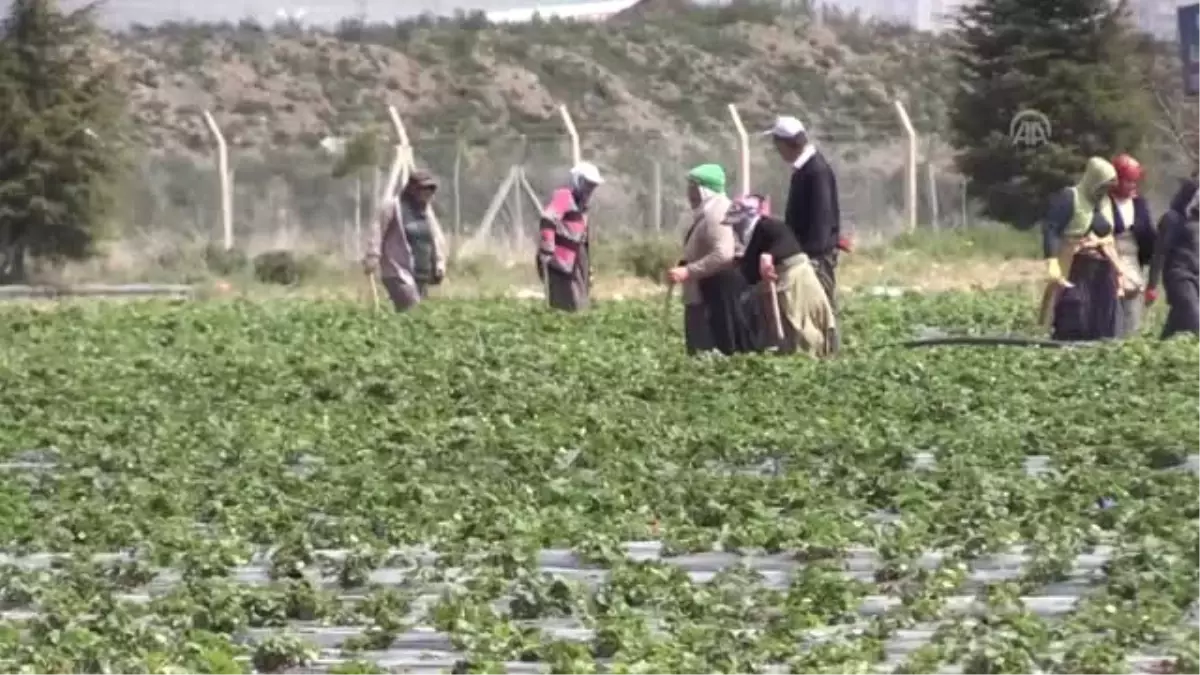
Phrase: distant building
(579,11)
(1157,17)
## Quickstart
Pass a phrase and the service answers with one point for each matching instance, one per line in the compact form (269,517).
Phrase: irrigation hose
(989,341)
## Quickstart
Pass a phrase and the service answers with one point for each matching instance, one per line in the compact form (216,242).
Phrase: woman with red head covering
(1133,230)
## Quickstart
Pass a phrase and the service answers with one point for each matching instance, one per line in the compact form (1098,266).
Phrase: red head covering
(1129,174)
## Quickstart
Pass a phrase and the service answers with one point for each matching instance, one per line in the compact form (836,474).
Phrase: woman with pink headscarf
(798,316)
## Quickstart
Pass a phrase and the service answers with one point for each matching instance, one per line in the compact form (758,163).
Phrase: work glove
(1054,274)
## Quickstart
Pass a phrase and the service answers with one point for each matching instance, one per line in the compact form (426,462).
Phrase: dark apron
(1088,310)
(718,322)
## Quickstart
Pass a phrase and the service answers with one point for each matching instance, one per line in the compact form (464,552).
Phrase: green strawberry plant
(208,487)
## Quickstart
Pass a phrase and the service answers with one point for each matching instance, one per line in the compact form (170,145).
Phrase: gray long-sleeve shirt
(388,239)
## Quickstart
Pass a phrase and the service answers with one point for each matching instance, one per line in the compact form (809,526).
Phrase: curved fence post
(405,163)
(743,148)
(402,157)
(569,124)
(223,179)
(910,169)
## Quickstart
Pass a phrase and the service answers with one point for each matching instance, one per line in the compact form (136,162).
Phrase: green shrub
(993,241)
(283,268)
(476,267)
(644,258)
(218,260)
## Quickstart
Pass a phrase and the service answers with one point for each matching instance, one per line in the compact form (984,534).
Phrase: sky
(328,12)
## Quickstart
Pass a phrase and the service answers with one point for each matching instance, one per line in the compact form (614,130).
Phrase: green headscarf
(710,176)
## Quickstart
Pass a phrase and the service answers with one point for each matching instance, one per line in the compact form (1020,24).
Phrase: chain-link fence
(492,188)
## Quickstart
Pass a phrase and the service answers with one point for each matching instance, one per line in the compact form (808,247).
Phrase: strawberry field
(305,487)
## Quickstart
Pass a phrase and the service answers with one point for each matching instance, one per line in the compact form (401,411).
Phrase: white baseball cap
(587,171)
(785,127)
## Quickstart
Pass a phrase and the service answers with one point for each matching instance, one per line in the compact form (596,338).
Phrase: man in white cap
(563,260)
(812,210)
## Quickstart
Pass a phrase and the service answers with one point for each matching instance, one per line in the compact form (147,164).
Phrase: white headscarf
(706,195)
(584,171)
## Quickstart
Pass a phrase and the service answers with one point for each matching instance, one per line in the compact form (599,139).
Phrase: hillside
(655,70)
(649,91)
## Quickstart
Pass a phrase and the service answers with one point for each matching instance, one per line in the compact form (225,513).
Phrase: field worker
(1133,231)
(812,211)
(706,272)
(405,245)
(1083,275)
(1175,262)
(749,307)
(563,263)
(772,254)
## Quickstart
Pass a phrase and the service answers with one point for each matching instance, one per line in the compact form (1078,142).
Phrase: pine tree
(60,136)
(1070,60)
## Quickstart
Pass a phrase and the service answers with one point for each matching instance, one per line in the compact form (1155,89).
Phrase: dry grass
(930,261)
(912,271)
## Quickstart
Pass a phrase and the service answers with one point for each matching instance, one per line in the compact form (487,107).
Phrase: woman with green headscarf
(709,280)
(1083,269)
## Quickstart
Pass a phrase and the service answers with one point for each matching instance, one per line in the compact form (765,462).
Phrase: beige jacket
(708,247)
(385,239)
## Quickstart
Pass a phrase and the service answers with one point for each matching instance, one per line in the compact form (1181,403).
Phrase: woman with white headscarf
(707,273)
(562,259)
(1176,263)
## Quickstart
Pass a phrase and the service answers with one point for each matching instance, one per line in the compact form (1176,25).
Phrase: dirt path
(935,276)
(853,275)
(931,278)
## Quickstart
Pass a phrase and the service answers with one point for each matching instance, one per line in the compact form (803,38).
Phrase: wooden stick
(667,306)
(773,307)
(1049,299)
(374,291)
